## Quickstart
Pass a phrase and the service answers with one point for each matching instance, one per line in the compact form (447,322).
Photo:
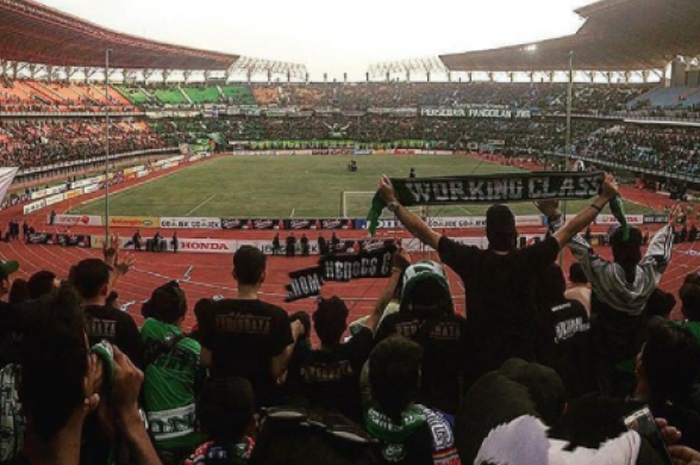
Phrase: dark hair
(544,385)
(627,253)
(550,285)
(19,292)
(660,303)
(500,228)
(41,283)
(394,374)
(225,408)
(289,442)
(330,320)
(90,276)
(54,362)
(168,303)
(671,360)
(690,296)
(576,274)
(249,265)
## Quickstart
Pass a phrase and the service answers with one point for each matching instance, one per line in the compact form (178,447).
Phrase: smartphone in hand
(643,422)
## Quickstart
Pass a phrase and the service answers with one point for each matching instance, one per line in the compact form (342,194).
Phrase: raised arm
(410,220)
(401,261)
(565,233)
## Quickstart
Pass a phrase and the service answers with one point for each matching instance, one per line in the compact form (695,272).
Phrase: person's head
(576,274)
(42,283)
(660,303)
(690,296)
(7,270)
(249,265)
(167,304)
(545,387)
(395,367)
(55,359)
(500,228)
(290,436)
(19,292)
(550,285)
(626,253)
(330,320)
(425,289)
(91,278)
(112,301)
(669,362)
(225,408)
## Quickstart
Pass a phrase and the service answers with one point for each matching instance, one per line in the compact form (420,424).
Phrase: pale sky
(334,36)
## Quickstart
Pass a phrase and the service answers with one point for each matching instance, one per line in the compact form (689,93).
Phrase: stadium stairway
(187,97)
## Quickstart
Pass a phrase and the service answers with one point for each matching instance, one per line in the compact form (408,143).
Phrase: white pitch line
(200,205)
(291,215)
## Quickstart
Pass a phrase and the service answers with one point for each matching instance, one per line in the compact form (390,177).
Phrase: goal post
(356,204)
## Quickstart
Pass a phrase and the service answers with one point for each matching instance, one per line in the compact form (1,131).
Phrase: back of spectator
(171,368)
(93,279)
(564,333)
(426,316)
(409,433)
(247,337)
(329,377)
(225,409)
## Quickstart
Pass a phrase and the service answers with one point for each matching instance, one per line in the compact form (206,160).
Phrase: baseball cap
(7,268)
(167,303)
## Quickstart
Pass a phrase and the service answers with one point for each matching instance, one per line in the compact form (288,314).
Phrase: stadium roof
(34,33)
(618,35)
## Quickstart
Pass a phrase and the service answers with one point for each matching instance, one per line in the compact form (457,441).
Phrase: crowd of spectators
(669,149)
(28,143)
(52,97)
(361,96)
(527,376)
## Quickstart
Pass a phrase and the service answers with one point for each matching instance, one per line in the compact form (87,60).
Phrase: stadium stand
(239,95)
(200,95)
(171,96)
(30,144)
(524,376)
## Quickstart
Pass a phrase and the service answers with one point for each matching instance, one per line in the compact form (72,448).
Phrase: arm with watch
(410,220)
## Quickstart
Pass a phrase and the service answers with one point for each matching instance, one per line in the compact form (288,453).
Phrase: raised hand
(385,190)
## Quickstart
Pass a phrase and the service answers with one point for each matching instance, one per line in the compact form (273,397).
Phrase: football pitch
(294,186)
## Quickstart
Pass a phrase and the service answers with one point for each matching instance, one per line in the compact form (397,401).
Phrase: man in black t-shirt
(564,333)
(498,281)
(426,316)
(247,337)
(329,377)
(94,279)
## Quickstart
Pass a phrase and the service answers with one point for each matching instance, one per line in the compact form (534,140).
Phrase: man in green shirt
(172,364)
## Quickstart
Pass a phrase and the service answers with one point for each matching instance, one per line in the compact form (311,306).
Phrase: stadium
(173,159)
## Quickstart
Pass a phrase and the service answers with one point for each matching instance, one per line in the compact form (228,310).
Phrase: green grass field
(291,186)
